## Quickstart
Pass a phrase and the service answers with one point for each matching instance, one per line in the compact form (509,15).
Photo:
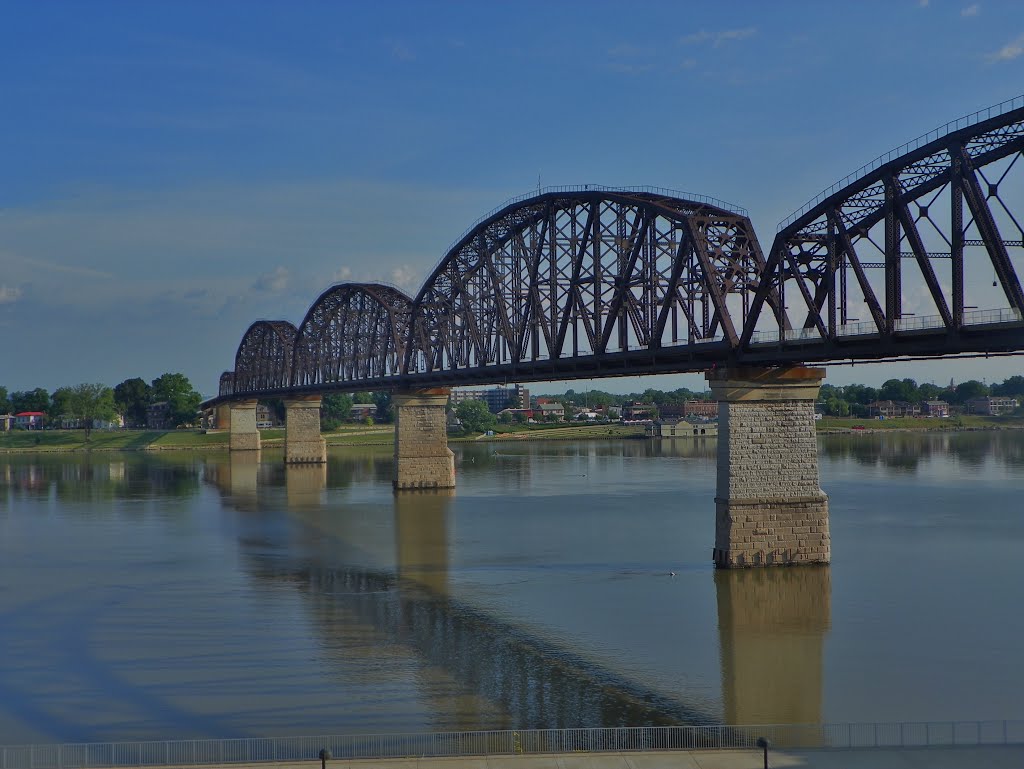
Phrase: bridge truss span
(563,277)
(921,256)
(264,358)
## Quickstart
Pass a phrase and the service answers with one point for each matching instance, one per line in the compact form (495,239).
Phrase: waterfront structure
(991,405)
(698,408)
(578,283)
(680,428)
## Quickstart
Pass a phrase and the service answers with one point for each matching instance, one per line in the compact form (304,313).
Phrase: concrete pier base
(422,457)
(303,443)
(769,508)
(245,436)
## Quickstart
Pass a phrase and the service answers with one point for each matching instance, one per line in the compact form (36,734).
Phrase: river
(174,595)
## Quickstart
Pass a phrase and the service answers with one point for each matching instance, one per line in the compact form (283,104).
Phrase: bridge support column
(303,443)
(245,436)
(422,457)
(770,509)
(222,416)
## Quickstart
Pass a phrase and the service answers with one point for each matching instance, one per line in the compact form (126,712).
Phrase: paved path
(984,757)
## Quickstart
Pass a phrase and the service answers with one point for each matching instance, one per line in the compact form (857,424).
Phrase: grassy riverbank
(384,435)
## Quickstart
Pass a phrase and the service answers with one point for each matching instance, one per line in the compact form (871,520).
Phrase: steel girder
(898,262)
(353,332)
(264,358)
(566,276)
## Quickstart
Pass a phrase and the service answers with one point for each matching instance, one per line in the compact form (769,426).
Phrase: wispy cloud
(9,294)
(717,39)
(923,3)
(1010,51)
(406,278)
(341,275)
(272,282)
(971,10)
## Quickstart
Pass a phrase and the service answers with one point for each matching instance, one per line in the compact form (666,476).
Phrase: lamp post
(325,756)
(763,742)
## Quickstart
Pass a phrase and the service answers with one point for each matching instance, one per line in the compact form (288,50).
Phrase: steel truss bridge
(895,261)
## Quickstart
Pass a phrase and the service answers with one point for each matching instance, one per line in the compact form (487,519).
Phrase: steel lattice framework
(589,282)
(571,276)
(353,332)
(920,229)
(264,358)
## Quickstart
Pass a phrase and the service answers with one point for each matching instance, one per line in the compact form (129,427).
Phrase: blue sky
(172,171)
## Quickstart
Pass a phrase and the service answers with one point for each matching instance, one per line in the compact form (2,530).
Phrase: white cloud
(1010,51)
(406,278)
(272,282)
(923,3)
(718,38)
(971,10)
(341,275)
(9,294)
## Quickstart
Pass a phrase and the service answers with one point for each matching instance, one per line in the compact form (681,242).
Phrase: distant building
(29,420)
(705,409)
(264,416)
(550,411)
(363,411)
(993,405)
(636,410)
(935,408)
(891,409)
(158,416)
(496,398)
(679,428)
(6,422)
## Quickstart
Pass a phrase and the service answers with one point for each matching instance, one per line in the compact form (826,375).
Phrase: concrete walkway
(983,757)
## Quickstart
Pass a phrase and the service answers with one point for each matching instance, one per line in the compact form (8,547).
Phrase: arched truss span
(919,255)
(264,357)
(570,274)
(352,332)
(227,383)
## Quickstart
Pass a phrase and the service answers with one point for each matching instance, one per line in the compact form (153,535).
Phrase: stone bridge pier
(303,443)
(245,436)
(769,507)
(422,457)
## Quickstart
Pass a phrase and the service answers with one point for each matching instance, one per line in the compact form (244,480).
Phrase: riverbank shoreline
(73,441)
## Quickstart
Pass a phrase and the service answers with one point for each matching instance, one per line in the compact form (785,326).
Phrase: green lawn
(109,440)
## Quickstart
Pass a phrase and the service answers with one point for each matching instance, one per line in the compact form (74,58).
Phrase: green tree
(335,409)
(182,399)
(475,417)
(382,399)
(972,388)
(89,402)
(899,390)
(33,400)
(1008,388)
(131,398)
(5,406)
(60,406)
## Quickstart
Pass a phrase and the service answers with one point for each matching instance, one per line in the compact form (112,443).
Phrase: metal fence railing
(483,743)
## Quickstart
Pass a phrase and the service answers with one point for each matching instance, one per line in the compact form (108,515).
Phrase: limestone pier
(303,443)
(422,457)
(245,436)
(769,507)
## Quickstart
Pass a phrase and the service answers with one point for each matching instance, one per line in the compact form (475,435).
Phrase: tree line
(853,400)
(88,402)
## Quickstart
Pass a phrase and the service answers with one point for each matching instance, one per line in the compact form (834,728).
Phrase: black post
(762,742)
(325,755)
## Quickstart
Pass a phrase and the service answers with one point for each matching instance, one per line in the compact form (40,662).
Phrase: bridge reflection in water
(500,674)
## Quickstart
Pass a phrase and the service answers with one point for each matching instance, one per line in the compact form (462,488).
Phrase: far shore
(74,441)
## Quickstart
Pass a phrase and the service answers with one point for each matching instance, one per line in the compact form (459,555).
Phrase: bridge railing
(954,125)
(510,742)
(906,323)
